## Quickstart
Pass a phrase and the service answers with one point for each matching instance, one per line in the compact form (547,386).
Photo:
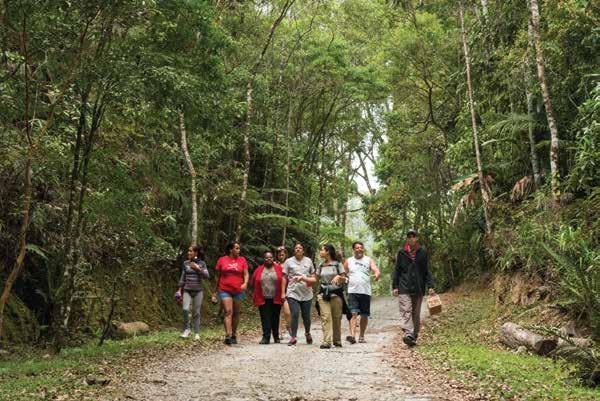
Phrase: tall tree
(250,112)
(541,70)
(192,172)
(482,181)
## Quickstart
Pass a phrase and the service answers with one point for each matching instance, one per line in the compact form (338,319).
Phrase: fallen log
(515,336)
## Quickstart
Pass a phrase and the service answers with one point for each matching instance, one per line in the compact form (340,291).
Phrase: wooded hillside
(481,118)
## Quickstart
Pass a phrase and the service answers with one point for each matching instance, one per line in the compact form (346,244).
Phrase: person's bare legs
(364,321)
(228,319)
(287,318)
(237,306)
(353,324)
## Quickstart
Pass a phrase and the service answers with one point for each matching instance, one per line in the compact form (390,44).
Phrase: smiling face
(191,254)
(269,259)
(359,250)
(411,240)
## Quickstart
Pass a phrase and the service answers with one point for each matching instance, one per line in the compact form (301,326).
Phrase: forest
(130,129)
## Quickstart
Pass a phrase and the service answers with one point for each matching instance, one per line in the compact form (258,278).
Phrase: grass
(40,376)
(463,342)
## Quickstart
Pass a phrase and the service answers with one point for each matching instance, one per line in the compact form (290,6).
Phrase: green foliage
(578,266)
(463,342)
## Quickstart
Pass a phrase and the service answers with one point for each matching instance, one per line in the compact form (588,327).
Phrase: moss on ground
(32,374)
(463,342)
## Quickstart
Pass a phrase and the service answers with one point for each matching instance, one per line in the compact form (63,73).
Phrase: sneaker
(351,339)
(186,333)
(233,339)
(264,341)
(361,340)
(227,340)
(196,337)
(409,340)
(276,340)
(325,346)
(292,341)
(339,345)
(309,339)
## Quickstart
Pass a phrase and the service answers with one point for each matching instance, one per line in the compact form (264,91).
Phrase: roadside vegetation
(463,343)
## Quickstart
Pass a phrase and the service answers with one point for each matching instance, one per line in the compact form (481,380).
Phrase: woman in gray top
(331,276)
(194,271)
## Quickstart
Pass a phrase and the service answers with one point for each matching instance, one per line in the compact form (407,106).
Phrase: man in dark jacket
(410,282)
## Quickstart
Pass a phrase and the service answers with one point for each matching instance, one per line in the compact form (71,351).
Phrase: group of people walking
(283,285)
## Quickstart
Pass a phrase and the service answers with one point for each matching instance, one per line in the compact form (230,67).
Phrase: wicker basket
(434,304)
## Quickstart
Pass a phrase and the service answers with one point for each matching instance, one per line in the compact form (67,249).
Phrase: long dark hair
(199,249)
(230,246)
(331,251)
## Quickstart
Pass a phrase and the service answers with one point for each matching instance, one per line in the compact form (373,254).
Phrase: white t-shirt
(359,275)
(299,291)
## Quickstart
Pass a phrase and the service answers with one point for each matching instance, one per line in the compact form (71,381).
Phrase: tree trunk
(249,113)
(348,171)
(28,189)
(514,336)
(535,165)
(192,171)
(555,179)
(288,155)
(484,194)
(33,146)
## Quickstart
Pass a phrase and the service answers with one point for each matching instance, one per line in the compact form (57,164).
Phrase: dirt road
(277,372)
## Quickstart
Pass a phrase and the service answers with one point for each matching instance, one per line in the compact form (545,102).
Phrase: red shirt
(232,273)
(258,297)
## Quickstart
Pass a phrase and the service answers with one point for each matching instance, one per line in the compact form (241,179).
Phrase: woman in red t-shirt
(232,279)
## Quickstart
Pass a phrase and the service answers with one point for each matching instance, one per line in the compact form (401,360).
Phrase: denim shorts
(236,297)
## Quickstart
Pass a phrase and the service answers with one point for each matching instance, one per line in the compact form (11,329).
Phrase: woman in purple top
(194,271)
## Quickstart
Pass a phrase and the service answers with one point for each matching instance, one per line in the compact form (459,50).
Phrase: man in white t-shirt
(358,270)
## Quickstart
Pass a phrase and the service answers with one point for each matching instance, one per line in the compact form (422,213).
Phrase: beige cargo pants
(410,313)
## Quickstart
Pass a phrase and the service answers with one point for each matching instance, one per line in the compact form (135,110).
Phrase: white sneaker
(196,337)
(186,333)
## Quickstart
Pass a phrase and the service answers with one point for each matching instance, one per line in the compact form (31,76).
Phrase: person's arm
(181,281)
(311,278)
(283,286)
(203,270)
(246,278)
(396,276)
(217,279)
(346,268)
(375,270)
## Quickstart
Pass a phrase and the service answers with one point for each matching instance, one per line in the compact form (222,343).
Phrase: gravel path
(276,372)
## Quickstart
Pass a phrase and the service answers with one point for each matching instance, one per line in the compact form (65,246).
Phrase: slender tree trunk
(535,165)
(348,171)
(249,115)
(484,194)
(192,171)
(535,24)
(33,146)
(16,270)
(321,186)
(288,155)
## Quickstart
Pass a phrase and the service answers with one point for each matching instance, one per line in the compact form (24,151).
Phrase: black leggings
(297,307)
(269,317)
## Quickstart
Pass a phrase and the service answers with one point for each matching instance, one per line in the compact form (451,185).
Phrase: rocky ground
(381,369)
